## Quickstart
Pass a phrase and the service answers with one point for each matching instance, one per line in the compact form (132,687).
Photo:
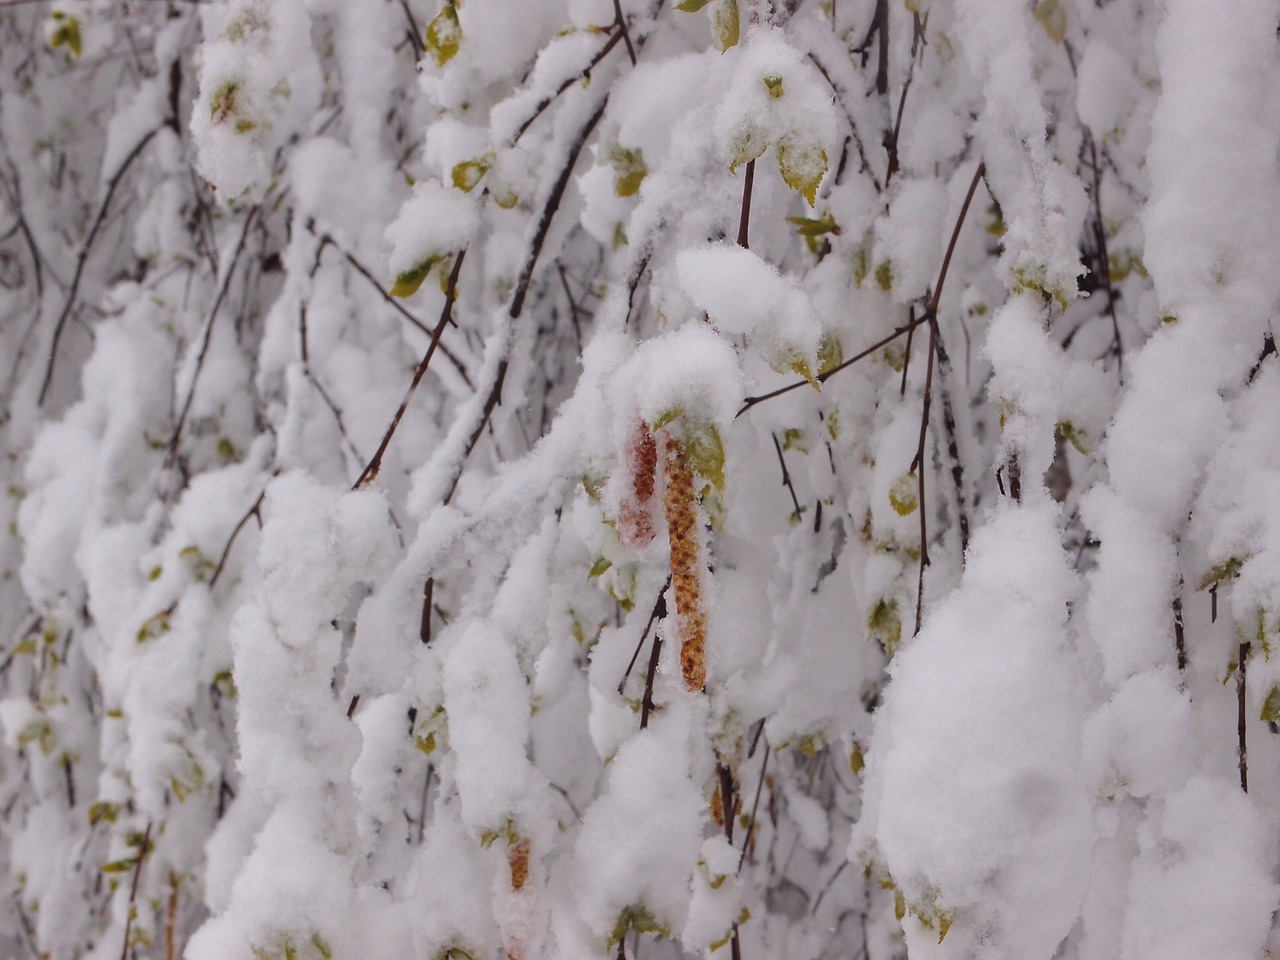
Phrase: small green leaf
(691,6)
(747,146)
(857,762)
(444,34)
(726,24)
(66,34)
(1229,569)
(665,417)
(803,165)
(830,353)
(119,866)
(1051,15)
(705,451)
(903,495)
(774,85)
(407,283)
(629,170)
(637,918)
(467,174)
(885,624)
(102,811)
(884,275)
(599,567)
(1075,436)
(1271,706)
(815,227)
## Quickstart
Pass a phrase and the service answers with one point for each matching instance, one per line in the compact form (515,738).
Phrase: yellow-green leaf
(815,227)
(830,353)
(444,34)
(803,165)
(119,866)
(691,6)
(903,495)
(66,33)
(470,172)
(599,567)
(407,283)
(747,146)
(629,170)
(705,451)
(774,85)
(726,23)
(102,810)
(1053,17)
(1271,706)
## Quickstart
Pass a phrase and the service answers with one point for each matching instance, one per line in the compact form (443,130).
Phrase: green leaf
(407,283)
(629,170)
(830,353)
(102,810)
(903,495)
(726,24)
(884,275)
(637,918)
(444,34)
(691,6)
(119,866)
(66,33)
(885,624)
(1051,15)
(1075,436)
(467,174)
(1271,706)
(774,85)
(747,146)
(665,417)
(1229,569)
(815,227)
(803,165)
(705,450)
(599,567)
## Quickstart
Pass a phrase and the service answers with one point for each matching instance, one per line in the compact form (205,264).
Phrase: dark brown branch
(646,701)
(546,102)
(83,257)
(755,806)
(133,891)
(549,211)
(744,220)
(1242,671)
(400,307)
(370,472)
(786,477)
(494,398)
(750,402)
(1104,259)
(658,613)
(621,23)
(1179,631)
(424,629)
(253,511)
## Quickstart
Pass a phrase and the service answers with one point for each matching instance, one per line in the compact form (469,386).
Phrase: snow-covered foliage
(587,478)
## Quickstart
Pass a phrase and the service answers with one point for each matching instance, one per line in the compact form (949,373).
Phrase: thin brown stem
(744,221)
(1242,671)
(83,257)
(208,332)
(371,469)
(133,891)
(253,511)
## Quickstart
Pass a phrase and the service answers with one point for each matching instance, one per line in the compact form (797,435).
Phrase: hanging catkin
(635,520)
(686,566)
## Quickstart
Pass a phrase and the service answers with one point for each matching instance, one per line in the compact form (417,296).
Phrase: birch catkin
(686,567)
(635,521)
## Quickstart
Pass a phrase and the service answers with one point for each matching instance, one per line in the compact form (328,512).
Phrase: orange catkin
(518,861)
(635,524)
(686,573)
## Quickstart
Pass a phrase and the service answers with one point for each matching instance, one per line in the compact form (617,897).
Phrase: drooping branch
(83,257)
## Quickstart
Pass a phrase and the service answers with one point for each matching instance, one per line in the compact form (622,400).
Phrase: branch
(546,102)
(370,471)
(98,221)
(208,332)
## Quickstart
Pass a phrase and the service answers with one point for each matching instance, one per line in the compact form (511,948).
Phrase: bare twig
(659,612)
(83,257)
(744,220)
(253,511)
(370,472)
(133,891)
(1241,728)
(208,332)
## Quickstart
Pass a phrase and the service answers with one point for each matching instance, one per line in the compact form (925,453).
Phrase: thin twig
(546,102)
(133,891)
(744,220)
(658,612)
(1241,727)
(370,472)
(750,402)
(786,477)
(83,257)
(208,331)
(253,511)
(621,22)
(755,806)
